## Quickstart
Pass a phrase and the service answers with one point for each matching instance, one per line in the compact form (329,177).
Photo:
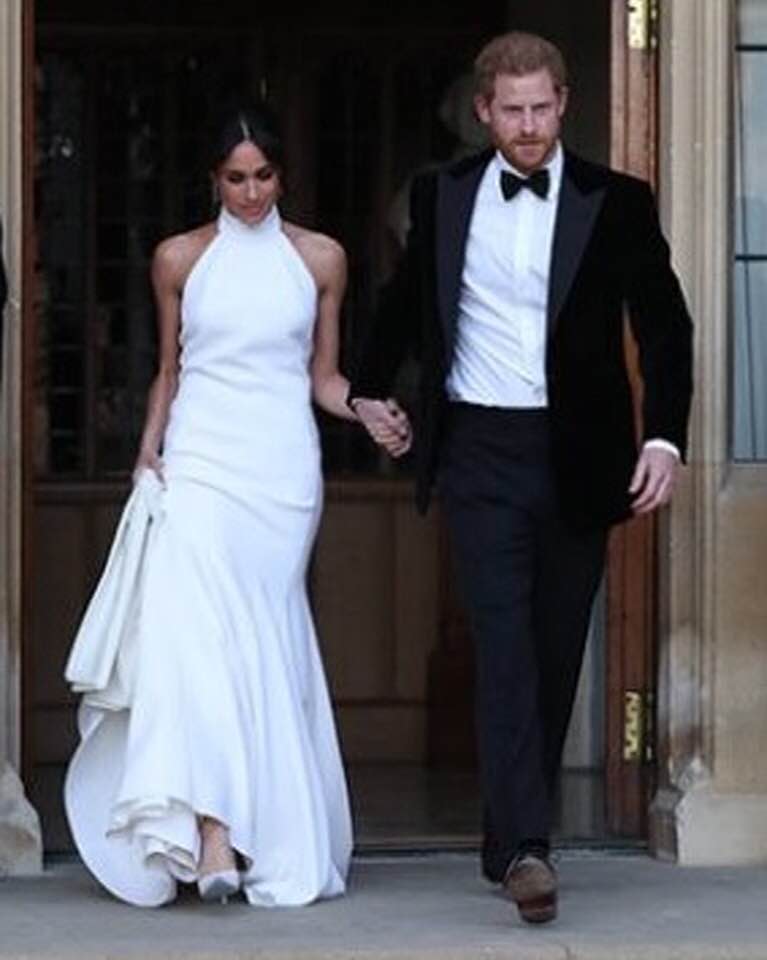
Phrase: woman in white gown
(208,750)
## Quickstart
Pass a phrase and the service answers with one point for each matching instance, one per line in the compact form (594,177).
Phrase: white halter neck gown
(227,713)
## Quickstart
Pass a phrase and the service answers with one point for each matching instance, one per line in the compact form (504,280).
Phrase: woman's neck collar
(233,225)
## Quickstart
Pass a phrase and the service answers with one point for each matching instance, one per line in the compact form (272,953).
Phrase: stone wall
(20,844)
(712,803)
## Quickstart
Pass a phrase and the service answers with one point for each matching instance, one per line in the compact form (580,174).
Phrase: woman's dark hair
(254,123)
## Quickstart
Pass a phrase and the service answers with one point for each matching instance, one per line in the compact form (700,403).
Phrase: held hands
(387,423)
(653,480)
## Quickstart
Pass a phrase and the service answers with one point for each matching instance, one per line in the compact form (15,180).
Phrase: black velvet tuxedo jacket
(608,253)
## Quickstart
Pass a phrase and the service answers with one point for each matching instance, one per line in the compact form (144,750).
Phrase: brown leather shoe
(531,882)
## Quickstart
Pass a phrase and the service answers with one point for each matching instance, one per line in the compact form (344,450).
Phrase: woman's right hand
(148,460)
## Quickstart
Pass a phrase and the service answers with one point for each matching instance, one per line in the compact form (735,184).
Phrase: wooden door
(631,567)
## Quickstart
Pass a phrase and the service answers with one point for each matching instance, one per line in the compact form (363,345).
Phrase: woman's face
(248,184)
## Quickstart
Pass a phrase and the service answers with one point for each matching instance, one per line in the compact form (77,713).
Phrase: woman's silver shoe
(218,877)
(219,885)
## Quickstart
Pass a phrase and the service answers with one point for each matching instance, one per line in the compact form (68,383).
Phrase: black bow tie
(538,182)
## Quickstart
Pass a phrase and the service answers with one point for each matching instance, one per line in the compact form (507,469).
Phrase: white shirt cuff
(662,445)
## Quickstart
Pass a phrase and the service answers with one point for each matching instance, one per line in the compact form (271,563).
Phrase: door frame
(632,570)
(631,577)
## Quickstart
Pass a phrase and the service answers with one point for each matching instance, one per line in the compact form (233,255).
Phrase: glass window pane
(60,275)
(752,22)
(750,242)
(750,289)
(751,170)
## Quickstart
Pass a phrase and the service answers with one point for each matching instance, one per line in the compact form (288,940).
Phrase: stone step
(433,907)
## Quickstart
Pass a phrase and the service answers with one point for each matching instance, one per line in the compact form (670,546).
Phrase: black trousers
(528,585)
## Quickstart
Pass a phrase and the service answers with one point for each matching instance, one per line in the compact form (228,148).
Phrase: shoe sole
(538,910)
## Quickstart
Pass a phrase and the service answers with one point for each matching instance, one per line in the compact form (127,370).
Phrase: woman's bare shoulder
(175,256)
(324,255)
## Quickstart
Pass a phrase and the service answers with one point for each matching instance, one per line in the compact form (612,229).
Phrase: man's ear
(564,96)
(482,108)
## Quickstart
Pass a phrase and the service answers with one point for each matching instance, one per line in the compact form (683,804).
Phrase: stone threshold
(402,908)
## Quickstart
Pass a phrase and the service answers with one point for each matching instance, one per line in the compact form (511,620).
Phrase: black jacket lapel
(580,199)
(456,190)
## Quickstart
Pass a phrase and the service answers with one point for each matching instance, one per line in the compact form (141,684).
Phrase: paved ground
(429,906)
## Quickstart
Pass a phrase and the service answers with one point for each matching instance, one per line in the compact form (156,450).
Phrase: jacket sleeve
(395,327)
(661,325)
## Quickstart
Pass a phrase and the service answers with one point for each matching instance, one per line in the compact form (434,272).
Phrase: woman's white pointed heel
(219,885)
(218,877)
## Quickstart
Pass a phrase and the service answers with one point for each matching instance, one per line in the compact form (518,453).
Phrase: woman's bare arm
(326,261)
(172,261)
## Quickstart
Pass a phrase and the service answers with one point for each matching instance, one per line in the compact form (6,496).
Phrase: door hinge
(638,726)
(642,24)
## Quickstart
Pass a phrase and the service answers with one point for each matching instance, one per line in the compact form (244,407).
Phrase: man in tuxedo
(518,267)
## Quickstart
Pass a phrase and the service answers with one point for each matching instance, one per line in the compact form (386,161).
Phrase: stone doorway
(117,105)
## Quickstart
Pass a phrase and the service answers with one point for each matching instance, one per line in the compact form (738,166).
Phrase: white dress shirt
(500,346)
(500,342)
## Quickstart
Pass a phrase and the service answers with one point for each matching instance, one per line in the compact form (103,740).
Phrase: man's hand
(387,423)
(653,480)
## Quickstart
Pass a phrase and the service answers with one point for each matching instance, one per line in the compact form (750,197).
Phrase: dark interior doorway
(367,95)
